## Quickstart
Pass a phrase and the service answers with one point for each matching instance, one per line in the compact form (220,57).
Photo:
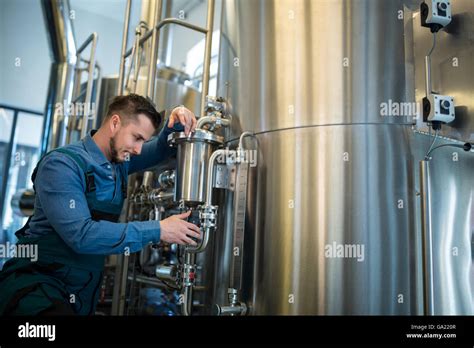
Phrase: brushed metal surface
(310,78)
(306,197)
(452,225)
(294,63)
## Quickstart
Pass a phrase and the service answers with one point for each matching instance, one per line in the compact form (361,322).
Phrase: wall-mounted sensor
(435,14)
(438,109)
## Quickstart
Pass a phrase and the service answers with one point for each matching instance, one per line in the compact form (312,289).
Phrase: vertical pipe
(427,75)
(62,44)
(97,87)
(120,285)
(155,40)
(427,243)
(90,82)
(207,55)
(187,305)
(165,54)
(124,46)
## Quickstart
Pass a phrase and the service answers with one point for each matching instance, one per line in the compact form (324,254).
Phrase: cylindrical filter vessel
(193,156)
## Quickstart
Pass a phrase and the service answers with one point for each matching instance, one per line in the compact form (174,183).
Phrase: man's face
(130,137)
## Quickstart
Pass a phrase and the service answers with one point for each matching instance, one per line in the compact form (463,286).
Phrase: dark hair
(130,106)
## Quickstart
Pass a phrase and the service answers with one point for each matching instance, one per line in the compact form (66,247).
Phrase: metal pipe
(187,305)
(427,75)
(242,136)
(210,173)
(91,38)
(202,245)
(207,55)
(202,121)
(138,59)
(134,54)
(230,310)
(63,53)
(165,54)
(120,285)
(210,179)
(164,22)
(124,46)
(97,94)
(427,242)
(150,91)
(165,272)
(90,78)
(156,213)
(60,31)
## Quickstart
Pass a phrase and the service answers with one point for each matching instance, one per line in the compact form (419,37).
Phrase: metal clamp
(136,58)
(208,219)
(208,216)
(189,275)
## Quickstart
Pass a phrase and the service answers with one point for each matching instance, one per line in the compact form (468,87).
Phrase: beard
(113,151)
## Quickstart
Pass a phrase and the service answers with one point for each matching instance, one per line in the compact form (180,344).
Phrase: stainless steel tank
(193,156)
(171,90)
(330,225)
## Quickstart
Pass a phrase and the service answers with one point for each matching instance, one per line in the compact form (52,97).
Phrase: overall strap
(89,175)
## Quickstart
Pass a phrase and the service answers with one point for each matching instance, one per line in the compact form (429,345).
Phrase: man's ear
(115,123)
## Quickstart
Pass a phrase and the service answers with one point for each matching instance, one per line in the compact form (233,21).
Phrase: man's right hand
(176,229)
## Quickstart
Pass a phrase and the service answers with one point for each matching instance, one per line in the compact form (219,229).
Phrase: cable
(434,44)
(466,147)
(431,146)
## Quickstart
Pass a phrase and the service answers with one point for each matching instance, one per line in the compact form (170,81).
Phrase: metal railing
(91,67)
(154,33)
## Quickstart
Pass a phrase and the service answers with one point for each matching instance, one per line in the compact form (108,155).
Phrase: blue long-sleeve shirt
(61,205)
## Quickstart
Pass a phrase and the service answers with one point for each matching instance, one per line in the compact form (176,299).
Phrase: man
(80,189)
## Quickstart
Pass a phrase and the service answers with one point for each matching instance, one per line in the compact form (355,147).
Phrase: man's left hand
(184,116)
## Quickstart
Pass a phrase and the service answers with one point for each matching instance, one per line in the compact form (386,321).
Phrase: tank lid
(199,135)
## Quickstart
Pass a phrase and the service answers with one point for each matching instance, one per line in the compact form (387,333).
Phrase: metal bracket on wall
(225,176)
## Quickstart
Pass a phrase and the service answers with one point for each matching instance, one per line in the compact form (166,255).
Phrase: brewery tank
(330,225)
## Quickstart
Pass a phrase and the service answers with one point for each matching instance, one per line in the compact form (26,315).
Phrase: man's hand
(176,229)
(185,116)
